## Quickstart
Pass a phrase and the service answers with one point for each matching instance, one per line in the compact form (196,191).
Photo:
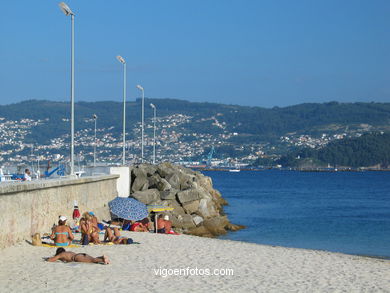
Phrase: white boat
(234,170)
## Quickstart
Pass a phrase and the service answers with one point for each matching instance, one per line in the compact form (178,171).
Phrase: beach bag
(36,239)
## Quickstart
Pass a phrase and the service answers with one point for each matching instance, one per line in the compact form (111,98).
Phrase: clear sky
(245,52)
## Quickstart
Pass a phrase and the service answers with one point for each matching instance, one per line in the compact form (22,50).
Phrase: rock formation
(197,206)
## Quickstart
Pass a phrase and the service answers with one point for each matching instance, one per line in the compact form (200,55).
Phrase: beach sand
(256,268)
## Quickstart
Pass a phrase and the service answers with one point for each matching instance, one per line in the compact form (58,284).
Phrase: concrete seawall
(31,207)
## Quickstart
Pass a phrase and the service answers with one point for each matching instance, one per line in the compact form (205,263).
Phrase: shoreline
(313,249)
(256,267)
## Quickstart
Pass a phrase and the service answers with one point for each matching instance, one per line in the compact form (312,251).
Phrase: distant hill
(368,150)
(252,124)
(186,130)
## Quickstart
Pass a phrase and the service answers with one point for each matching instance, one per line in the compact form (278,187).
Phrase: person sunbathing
(68,256)
(164,225)
(160,224)
(88,230)
(61,234)
(114,236)
(140,226)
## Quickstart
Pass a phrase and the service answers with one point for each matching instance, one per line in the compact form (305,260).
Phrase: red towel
(76,213)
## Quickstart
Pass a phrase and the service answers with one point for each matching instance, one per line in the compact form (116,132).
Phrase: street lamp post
(67,11)
(94,144)
(142,122)
(154,132)
(121,60)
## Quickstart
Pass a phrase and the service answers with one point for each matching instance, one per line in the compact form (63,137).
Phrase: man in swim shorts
(68,256)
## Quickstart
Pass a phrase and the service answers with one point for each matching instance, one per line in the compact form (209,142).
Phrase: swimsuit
(162,230)
(61,244)
(135,225)
(62,233)
(74,256)
(64,243)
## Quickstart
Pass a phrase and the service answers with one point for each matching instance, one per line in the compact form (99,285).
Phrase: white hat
(166,218)
(63,218)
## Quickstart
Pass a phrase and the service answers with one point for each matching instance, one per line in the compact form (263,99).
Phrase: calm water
(345,212)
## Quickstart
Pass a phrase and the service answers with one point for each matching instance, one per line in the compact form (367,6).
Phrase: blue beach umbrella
(128,208)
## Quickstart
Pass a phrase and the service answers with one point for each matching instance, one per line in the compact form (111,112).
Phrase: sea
(347,212)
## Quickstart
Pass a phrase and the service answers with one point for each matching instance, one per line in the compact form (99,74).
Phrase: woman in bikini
(61,234)
(88,231)
(115,237)
(68,256)
(140,226)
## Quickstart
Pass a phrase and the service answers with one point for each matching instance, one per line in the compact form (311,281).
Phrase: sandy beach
(150,267)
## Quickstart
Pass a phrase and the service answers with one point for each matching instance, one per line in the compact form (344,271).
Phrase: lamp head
(140,87)
(120,59)
(153,106)
(95,116)
(65,9)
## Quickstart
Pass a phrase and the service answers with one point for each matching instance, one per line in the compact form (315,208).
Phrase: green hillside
(367,150)
(252,124)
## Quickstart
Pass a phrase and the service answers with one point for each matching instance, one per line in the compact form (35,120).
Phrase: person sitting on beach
(168,224)
(140,226)
(160,224)
(98,226)
(164,225)
(115,237)
(61,234)
(68,256)
(88,230)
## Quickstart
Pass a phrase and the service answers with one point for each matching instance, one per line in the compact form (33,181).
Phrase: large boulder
(147,196)
(148,169)
(168,194)
(191,206)
(188,195)
(200,231)
(186,221)
(177,208)
(138,172)
(206,209)
(174,180)
(163,185)
(165,169)
(154,180)
(197,219)
(217,225)
(140,183)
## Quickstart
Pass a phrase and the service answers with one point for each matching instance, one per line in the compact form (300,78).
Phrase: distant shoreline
(293,169)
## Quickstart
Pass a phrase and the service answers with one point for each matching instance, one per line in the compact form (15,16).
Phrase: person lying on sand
(68,256)
(114,236)
(140,226)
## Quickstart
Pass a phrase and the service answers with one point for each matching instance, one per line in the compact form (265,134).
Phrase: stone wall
(31,207)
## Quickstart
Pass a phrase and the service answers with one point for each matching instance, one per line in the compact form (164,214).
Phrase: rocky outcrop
(197,206)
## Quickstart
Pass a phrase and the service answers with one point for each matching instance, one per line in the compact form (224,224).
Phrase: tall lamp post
(94,144)
(67,11)
(142,123)
(154,132)
(121,60)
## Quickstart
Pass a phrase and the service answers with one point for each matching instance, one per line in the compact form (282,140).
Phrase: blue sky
(246,52)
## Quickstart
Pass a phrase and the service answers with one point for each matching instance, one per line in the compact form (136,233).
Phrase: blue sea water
(346,212)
